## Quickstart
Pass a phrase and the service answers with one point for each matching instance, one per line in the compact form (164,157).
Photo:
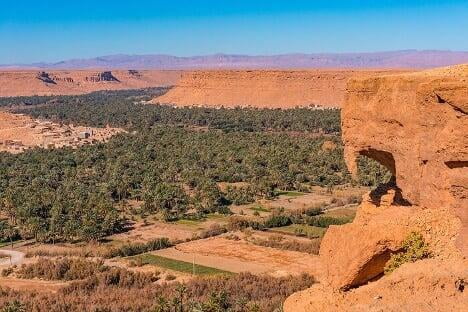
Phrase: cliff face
(27,82)
(415,124)
(262,88)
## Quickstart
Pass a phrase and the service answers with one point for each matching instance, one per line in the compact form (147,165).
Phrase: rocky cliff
(416,125)
(27,82)
(263,88)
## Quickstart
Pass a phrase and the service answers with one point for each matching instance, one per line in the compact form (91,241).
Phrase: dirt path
(13,257)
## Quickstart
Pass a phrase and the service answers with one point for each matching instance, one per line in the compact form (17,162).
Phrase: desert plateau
(60,82)
(264,88)
(213,156)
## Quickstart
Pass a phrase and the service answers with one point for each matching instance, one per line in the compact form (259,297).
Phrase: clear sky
(49,30)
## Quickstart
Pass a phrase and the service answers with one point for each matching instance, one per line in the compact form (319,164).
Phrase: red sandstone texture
(263,88)
(44,82)
(416,125)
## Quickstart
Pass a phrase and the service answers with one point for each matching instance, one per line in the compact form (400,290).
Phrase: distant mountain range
(392,59)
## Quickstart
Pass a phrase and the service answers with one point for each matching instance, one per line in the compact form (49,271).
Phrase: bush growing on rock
(414,248)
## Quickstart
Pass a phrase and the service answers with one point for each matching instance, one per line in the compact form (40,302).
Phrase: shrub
(138,248)
(277,221)
(314,211)
(326,221)
(62,269)
(170,277)
(414,248)
(7,271)
(118,277)
(214,230)
(312,246)
(238,223)
(14,306)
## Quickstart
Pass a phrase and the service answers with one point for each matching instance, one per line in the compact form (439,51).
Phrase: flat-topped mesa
(417,126)
(263,88)
(64,82)
(102,76)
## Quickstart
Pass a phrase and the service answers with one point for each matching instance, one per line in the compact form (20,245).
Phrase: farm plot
(240,256)
(177,265)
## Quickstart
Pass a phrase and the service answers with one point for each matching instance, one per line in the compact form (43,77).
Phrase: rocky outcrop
(102,76)
(263,88)
(416,125)
(44,77)
(425,286)
(134,72)
(62,79)
(24,82)
(377,232)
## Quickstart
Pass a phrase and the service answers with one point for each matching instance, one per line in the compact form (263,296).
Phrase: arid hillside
(45,82)
(19,132)
(263,88)
(406,249)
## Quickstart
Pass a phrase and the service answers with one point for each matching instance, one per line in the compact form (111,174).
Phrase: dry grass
(123,291)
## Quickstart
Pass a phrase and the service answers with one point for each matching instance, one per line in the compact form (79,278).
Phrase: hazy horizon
(54,31)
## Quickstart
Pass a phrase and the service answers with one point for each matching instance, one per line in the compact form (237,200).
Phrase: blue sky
(49,30)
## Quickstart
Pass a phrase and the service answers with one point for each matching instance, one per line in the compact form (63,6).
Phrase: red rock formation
(44,77)
(26,82)
(102,76)
(416,125)
(263,88)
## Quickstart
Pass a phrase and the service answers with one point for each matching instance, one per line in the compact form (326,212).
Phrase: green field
(302,230)
(194,223)
(259,208)
(290,193)
(179,266)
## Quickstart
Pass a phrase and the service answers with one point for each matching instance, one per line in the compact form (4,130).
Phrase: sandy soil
(31,285)
(20,132)
(240,256)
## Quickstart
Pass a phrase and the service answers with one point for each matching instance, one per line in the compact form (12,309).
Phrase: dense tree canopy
(125,108)
(171,159)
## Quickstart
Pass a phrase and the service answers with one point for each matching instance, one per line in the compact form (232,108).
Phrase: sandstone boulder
(355,253)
